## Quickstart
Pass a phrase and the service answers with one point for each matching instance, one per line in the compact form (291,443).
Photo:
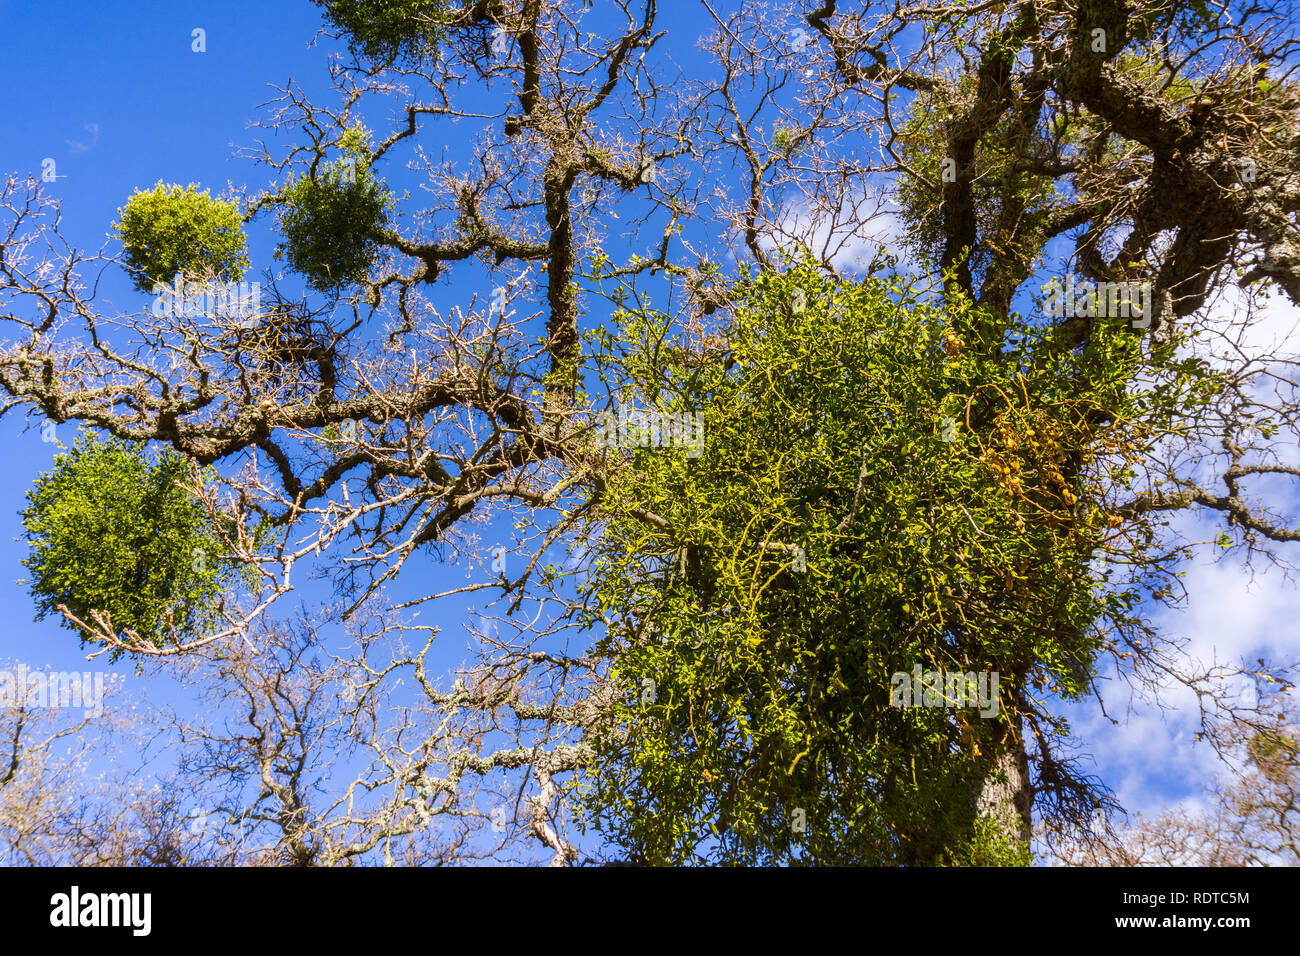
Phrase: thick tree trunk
(1005,794)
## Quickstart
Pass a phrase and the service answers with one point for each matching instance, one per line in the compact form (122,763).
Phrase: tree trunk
(1005,793)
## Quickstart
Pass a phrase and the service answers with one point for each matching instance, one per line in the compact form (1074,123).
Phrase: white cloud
(850,234)
(79,147)
(1234,614)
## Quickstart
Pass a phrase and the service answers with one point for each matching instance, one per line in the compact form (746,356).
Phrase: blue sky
(114,94)
(117,99)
